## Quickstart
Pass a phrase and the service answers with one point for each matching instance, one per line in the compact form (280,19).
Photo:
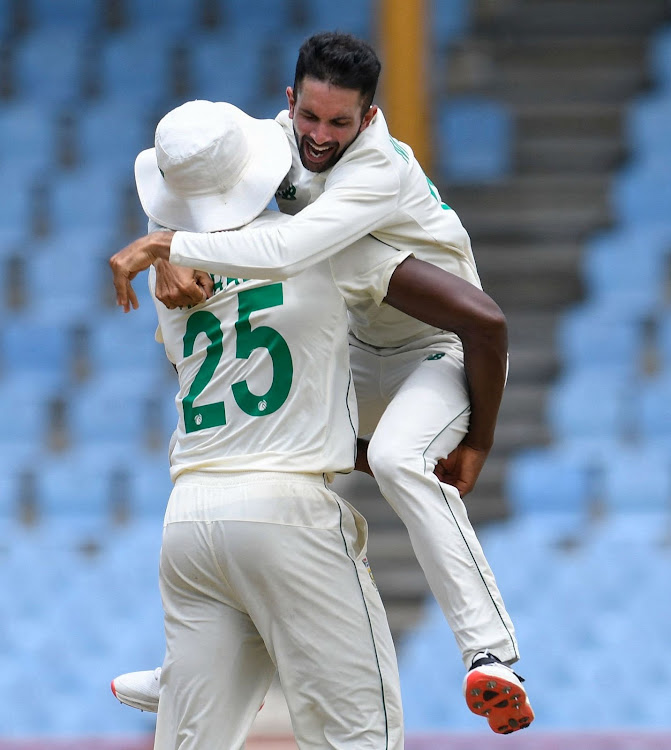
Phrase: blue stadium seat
(660,58)
(87,641)
(17,206)
(652,408)
(19,455)
(638,479)
(71,487)
(21,718)
(12,239)
(449,20)
(475,139)
(641,193)
(169,414)
(264,16)
(664,341)
(227,67)
(593,336)
(151,487)
(276,71)
(49,65)
(350,16)
(6,20)
(26,139)
(269,106)
(114,130)
(70,14)
(90,197)
(112,407)
(60,275)
(173,16)
(136,549)
(613,279)
(135,64)
(125,343)
(430,695)
(639,531)
(36,348)
(590,403)
(548,480)
(78,243)
(646,123)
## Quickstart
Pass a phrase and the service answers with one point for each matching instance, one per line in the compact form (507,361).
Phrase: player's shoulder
(284,120)
(375,146)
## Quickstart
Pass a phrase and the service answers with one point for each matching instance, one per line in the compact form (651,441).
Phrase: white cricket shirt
(377,187)
(263,366)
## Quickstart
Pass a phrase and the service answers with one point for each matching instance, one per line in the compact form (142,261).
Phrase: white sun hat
(213,167)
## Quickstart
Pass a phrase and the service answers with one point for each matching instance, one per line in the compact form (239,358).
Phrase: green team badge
(437,355)
(288,194)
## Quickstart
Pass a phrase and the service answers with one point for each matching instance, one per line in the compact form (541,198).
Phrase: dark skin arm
(423,291)
(450,303)
(361,463)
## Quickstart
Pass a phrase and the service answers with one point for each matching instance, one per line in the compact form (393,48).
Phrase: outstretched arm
(446,301)
(359,194)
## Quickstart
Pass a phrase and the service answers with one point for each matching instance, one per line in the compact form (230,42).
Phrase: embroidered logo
(437,355)
(370,572)
(288,193)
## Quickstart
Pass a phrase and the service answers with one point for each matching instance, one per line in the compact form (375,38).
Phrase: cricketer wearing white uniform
(409,378)
(262,566)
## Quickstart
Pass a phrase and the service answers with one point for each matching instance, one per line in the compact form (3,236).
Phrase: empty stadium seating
(88,396)
(587,547)
(475,139)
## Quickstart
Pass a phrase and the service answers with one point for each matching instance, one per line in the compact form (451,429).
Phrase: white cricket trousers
(414,401)
(268,571)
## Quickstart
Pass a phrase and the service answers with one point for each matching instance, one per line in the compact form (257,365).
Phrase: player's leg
(426,419)
(366,366)
(314,601)
(426,416)
(216,670)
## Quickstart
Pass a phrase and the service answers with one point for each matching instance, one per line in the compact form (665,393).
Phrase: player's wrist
(158,245)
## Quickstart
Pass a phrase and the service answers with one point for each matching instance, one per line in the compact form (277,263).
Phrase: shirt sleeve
(364,270)
(360,193)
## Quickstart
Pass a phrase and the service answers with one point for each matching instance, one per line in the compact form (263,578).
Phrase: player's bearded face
(327,119)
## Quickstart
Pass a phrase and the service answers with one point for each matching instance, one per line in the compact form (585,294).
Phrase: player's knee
(389,462)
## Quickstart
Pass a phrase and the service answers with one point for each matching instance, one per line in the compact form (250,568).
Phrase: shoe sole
(134,703)
(502,702)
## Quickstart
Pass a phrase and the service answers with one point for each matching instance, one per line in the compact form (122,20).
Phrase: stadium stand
(475,139)
(85,481)
(587,542)
(48,65)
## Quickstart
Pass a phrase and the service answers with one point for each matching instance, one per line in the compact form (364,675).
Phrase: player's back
(264,382)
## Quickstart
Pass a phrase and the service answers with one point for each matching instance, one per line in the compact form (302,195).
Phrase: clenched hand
(136,257)
(462,467)
(177,286)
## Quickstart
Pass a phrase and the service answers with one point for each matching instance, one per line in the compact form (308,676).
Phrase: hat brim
(268,166)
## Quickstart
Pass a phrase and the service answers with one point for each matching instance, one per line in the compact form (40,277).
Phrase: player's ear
(368,117)
(291,100)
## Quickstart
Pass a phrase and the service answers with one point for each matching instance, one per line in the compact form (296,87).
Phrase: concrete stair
(566,69)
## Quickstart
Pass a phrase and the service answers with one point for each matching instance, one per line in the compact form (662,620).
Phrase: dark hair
(341,60)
